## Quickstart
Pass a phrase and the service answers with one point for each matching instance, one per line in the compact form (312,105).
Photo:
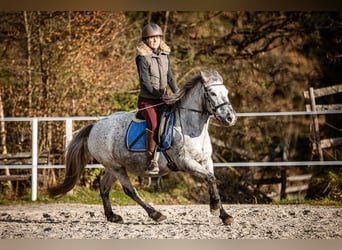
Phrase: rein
(209,101)
(152,106)
(194,110)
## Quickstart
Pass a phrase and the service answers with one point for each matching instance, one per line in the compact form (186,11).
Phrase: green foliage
(125,101)
(91,177)
(25,198)
(326,201)
(326,183)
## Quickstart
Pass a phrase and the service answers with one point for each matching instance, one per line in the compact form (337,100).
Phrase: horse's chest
(198,147)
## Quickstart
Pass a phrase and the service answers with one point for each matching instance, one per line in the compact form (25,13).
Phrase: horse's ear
(210,75)
(205,74)
(219,77)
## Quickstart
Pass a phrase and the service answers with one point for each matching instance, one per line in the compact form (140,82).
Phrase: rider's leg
(149,112)
(151,161)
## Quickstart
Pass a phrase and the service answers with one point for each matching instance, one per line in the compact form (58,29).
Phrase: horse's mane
(187,86)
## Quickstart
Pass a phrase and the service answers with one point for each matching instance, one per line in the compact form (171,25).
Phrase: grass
(317,202)
(176,192)
(118,197)
(176,189)
(87,196)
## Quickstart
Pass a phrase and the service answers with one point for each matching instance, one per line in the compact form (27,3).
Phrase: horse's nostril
(231,119)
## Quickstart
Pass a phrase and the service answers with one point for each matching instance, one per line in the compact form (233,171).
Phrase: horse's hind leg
(106,184)
(130,190)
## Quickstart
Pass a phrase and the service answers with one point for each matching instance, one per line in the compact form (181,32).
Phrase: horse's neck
(191,116)
(191,120)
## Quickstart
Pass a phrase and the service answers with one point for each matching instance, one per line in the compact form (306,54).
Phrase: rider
(154,69)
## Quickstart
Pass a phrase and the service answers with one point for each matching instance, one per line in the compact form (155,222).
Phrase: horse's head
(216,97)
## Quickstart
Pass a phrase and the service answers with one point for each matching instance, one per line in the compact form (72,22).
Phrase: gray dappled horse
(200,98)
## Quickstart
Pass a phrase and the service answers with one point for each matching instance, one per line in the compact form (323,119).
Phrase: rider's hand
(166,99)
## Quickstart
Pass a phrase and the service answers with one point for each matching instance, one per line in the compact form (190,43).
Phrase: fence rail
(217,164)
(68,133)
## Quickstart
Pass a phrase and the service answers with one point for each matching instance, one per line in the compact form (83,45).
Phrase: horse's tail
(77,157)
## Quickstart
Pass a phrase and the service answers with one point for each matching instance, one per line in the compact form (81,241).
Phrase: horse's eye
(212,93)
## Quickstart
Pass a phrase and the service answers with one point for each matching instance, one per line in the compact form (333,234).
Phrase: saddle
(136,135)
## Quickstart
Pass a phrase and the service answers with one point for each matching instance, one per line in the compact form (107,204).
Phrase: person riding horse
(155,73)
(201,98)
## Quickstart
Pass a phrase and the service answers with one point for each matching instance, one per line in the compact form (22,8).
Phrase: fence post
(68,131)
(34,180)
(68,137)
(316,125)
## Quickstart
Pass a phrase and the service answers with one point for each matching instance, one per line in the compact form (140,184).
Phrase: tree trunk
(28,63)
(3,139)
(166,23)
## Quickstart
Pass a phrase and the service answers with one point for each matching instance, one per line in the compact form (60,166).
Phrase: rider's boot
(151,154)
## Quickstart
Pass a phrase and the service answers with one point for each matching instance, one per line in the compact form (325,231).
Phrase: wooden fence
(319,144)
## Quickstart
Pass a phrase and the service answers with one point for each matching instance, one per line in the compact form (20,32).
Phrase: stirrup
(153,168)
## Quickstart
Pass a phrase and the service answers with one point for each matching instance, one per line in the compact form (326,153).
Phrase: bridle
(210,107)
(210,101)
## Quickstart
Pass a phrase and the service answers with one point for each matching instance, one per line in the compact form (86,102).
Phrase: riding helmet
(151,29)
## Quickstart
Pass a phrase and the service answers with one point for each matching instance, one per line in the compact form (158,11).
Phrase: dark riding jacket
(154,71)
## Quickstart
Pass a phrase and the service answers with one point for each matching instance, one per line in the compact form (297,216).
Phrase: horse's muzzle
(230,119)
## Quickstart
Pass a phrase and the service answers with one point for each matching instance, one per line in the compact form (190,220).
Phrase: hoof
(227,220)
(115,218)
(157,216)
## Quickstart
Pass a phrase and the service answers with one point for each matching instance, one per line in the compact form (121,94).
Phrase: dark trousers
(149,111)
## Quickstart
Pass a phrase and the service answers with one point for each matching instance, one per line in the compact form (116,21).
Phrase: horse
(202,97)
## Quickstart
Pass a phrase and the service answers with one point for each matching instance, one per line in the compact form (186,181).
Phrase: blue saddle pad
(136,135)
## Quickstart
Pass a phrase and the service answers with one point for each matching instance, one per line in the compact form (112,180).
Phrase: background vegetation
(83,64)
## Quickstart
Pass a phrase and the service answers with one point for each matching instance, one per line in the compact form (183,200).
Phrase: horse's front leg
(215,200)
(196,169)
(130,190)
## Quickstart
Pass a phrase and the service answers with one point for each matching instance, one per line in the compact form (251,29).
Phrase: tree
(3,138)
